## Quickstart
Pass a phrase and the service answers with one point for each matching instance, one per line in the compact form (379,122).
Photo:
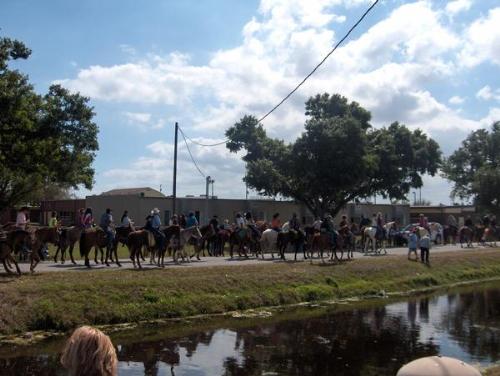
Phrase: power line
(191,155)
(305,78)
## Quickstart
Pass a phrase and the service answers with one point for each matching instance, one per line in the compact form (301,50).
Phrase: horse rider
(468,223)
(452,223)
(191,220)
(214,222)
(493,221)
(276,222)
(328,227)
(317,224)
(53,222)
(156,228)
(106,223)
(22,218)
(343,223)
(354,227)
(182,221)
(423,222)
(81,214)
(174,221)
(240,221)
(125,221)
(380,225)
(88,219)
(251,225)
(486,221)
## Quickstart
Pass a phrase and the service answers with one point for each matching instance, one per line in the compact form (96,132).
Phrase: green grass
(61,301)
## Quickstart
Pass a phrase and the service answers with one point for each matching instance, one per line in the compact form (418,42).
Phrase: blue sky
(428,64)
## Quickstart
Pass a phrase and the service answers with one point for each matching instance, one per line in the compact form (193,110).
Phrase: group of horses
(467,235)
(249,241)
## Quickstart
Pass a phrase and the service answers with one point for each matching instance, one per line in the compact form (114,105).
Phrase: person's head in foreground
(89,352)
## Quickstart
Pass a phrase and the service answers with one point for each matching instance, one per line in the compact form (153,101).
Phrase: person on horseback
(276,222)
(423,222)
(88,220)
(53,222)
(214,222)
(452,223)
(156,228)
(251,225)
(106,223)
(380,226)
(191,220)
(486,221)
(317,224)
(182,221)
(343,223)
(125,221)
(493,221)
(468,222)
(239,221)
(22,218)
(174,221)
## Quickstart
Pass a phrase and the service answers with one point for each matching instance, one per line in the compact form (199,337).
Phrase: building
(440,213)
(67,211)
(140,201)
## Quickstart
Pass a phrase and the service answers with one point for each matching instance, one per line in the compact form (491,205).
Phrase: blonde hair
(89,352)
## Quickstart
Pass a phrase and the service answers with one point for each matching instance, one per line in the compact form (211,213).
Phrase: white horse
(370,233)
(178,246)
(269,242)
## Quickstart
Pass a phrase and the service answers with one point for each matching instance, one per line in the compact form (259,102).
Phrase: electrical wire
(191,155)
(305,78)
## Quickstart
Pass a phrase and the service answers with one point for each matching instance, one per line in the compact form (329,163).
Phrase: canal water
(374,338)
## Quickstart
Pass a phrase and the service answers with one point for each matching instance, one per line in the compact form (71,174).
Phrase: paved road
(49,266)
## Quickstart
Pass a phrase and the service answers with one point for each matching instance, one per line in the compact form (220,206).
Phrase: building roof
(143,192)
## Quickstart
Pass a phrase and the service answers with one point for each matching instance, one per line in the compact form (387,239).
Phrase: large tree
(45,140)
(338,158)
(474,168)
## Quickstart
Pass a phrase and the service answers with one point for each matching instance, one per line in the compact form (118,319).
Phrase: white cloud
(482,40)
(456,100)
(487,93)
(457,6)
(138,117)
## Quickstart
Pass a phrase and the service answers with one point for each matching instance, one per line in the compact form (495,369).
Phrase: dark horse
(6,255)
(68,238)
(295,238)
(465,234)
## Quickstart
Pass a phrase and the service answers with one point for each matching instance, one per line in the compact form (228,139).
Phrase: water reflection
(357,341)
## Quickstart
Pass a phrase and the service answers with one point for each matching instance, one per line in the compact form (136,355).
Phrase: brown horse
(242,239)
(136,240)
(7,258)
(93,238)
(208,240)
(45,235)
(68,238)
(325,242)
(222,238)
(19,240)
(465,234)
(297,239)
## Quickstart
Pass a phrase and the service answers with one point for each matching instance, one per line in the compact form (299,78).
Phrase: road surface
(50,266)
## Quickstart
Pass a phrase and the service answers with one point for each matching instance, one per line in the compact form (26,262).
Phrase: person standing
(106,223)
(425,246)
(412,244)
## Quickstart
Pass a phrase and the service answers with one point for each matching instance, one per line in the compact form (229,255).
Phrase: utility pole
(208,181)
(213,181)
(174,189)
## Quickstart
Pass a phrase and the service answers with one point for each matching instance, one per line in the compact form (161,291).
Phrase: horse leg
(71,247)
(57,252)
(13,261)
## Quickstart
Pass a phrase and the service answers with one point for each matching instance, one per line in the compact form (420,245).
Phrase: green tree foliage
(337,159)
(474,168)
(45,140)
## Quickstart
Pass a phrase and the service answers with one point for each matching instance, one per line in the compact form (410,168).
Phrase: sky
(432,65)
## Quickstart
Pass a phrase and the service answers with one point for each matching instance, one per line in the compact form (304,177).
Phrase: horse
(325,241)
(94,238)
(185,236)
(376,237)
(243,239)
(6,256)
(450,234)
(465,234)
(209,239)
(291,237)
(269,242)
(68,238)
(44,235)
(136,240)
(170,232)
(223,236)
(490,235)
(18,240)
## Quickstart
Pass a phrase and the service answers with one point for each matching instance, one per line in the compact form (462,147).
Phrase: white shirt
(126,221)
(240,222)
(21,220)
(317,225)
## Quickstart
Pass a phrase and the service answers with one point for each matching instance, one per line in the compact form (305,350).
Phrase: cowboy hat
(155,211)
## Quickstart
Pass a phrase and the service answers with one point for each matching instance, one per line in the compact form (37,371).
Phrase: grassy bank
(60,301)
